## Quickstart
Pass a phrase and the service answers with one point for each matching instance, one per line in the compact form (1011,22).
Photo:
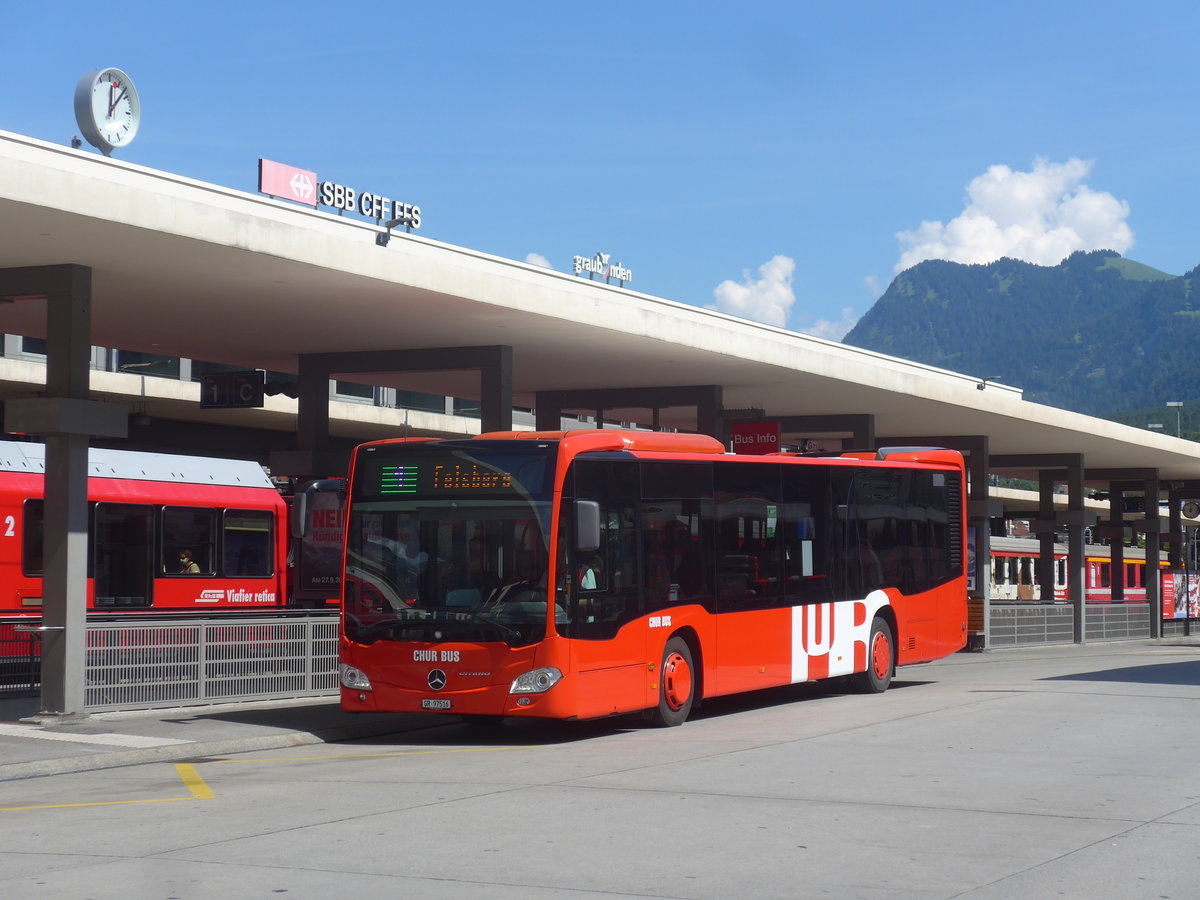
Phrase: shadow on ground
(1161,673)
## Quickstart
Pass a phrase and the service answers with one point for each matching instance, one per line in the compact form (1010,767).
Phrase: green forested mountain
(1097,333)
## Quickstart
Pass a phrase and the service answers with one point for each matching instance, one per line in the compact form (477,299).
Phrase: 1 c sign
(232,390)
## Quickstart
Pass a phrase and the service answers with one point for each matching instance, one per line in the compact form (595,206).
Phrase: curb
(179,752)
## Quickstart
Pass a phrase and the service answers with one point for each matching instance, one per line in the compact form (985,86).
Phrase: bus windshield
(449,542)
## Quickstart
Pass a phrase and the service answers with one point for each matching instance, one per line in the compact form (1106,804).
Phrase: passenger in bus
(589,574)
(187,565)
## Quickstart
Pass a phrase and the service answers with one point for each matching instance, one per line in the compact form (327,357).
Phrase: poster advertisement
(970,558)
(1180,594)
(320,562)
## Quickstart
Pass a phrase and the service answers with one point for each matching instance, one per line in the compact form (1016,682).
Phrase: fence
(147,663)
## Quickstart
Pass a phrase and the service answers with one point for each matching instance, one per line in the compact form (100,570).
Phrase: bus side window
(807,526)
(749,539)
(603,593)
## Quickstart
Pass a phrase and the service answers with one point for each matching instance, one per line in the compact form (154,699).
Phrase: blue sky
(776,160)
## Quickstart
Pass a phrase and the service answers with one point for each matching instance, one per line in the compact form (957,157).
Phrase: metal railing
(152,662)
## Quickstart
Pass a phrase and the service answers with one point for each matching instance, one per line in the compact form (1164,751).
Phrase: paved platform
(110,740)
(114,739)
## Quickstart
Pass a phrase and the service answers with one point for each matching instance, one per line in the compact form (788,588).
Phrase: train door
(123,555)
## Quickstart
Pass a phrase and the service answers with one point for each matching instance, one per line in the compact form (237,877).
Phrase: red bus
(167,533)
(592,573)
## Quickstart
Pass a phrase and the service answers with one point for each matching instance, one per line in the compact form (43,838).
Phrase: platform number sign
(232,390)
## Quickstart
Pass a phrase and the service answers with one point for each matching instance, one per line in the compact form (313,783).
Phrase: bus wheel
(881,659)
(676,684)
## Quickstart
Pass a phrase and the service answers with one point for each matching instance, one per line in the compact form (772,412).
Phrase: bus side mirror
(304,499)
(587,525)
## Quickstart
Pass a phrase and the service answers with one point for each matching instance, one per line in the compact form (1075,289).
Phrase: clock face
(107,109)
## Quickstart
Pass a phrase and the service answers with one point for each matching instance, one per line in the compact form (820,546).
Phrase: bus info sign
(755,438)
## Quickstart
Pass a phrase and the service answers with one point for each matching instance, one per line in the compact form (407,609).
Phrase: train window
(1026,570)
(32,528)
(189,540)
(1131,579)
(1014,576)
(249,536)
(998,570)
(121,554)
(1105,574)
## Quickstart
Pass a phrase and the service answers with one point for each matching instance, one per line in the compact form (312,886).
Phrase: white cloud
(1040,216)
(834,331)
(536,259)
(765,299)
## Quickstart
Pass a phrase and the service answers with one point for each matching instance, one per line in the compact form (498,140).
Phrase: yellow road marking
(199,789)
(192,780)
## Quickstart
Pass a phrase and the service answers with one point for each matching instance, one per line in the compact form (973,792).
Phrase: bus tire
(881,659)
(676,684)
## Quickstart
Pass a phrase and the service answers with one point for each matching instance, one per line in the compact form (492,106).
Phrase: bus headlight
(536,682)
(355,679)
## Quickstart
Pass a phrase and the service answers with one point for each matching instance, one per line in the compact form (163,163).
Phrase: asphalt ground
(1066,771)
(129,738)
(114,739)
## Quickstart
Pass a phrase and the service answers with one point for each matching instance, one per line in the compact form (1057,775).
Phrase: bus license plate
(435,704)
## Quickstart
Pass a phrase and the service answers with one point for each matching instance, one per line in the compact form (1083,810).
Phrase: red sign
(287,182)
(755,438)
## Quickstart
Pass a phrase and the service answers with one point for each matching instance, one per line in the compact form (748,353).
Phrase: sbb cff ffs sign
(755,438)
(233,390)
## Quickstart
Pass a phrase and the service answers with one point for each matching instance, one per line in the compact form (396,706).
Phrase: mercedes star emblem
(437,679)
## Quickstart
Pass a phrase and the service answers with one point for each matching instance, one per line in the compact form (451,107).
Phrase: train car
(166,533)
(1014,572)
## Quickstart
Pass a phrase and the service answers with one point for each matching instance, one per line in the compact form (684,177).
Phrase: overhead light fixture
(983,382)
(382,237)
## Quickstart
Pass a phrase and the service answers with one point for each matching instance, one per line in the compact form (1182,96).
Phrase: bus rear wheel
(676,684)
(881,659)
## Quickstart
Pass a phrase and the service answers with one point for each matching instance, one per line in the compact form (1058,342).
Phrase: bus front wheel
(676,684)
(881,659)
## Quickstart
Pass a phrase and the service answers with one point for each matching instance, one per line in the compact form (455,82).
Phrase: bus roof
(135,465)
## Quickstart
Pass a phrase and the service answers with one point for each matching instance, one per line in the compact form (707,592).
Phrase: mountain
(1097,334)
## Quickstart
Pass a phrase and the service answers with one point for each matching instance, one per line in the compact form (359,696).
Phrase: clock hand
(113,104)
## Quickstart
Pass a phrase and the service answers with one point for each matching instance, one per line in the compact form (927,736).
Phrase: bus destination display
(435,477)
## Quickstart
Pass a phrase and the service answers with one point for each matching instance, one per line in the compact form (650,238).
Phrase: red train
(168,533)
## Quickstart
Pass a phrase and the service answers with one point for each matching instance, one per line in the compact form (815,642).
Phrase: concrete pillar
(66,418)
(495,376)
(1075,558)
(1045,529)
(1152,525)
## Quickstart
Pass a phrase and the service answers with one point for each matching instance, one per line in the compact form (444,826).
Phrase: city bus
(582,574)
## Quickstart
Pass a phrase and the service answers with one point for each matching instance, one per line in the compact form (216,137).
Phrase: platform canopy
(188,269)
